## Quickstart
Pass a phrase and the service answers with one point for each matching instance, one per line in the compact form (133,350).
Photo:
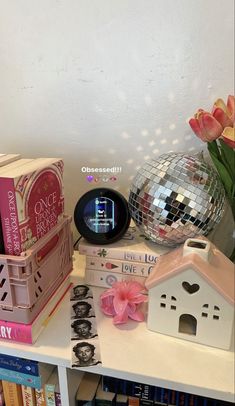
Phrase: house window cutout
(216,308)
(204,314)
(205,305)
(187,324)
(215,317)
(163,302)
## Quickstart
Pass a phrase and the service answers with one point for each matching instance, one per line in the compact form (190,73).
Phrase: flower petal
(194,124)
(212,128)
(139,299)
(228,136)
(138,315)
(135,288)
(221,104)
(108,292)
(231,107)
(222,117)
(120,318)
(106,302)
(119,305)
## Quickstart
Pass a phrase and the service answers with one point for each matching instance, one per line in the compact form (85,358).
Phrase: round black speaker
(102,216)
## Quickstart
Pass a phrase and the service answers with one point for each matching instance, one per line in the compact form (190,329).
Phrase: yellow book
(12,394)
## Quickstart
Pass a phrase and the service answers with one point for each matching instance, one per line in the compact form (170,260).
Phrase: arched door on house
(187,324)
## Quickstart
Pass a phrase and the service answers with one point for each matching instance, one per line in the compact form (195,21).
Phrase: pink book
(32,202)
(28,333)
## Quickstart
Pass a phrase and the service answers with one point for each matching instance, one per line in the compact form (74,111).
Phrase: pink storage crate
(27,282)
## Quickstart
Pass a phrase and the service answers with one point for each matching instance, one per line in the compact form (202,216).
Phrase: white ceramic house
(191,294)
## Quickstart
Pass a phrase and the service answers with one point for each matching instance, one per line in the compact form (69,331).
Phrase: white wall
(109,82)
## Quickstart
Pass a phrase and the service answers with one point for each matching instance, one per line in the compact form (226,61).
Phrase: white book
(8,158)
(14,164)
(119,266)
(133,246)
(106,279)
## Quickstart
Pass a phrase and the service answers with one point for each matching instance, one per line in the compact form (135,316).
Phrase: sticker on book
(85,349)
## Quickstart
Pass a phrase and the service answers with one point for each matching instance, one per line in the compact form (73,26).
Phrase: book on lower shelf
(133,401)
(33,381)
(32,202)
(85,395)
(122,400)
(29,333)
(1,394)
(12,394)
(17,364)
(40,397)
(103,398)
(52,389)
(133,247)
(148,395)
(49,393)
(28,395)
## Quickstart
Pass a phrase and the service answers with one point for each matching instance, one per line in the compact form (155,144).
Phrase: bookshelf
(132,352)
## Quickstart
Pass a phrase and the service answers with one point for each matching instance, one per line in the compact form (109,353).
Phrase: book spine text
(118,266)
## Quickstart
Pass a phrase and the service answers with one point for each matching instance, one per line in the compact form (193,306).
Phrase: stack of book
(97,390)
(31,207)
(131,258)
(32,201)
(28,383)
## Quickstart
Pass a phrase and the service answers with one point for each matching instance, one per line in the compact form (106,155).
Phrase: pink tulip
(223,113)
(123,301)
(209,126)
(205,126)
(228,136)
(231,107)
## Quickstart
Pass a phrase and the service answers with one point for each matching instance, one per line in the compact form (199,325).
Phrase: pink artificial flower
(123,300)
(228,136)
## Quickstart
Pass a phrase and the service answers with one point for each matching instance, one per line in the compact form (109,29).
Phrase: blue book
(19,377)
(25,366)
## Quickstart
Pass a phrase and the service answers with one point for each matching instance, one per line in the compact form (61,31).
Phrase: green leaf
(224,175)
(214,149)
(228,157)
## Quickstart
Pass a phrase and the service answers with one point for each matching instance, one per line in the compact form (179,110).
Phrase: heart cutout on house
(190,288)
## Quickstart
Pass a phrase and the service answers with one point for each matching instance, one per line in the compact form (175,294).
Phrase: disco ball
(176,197)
